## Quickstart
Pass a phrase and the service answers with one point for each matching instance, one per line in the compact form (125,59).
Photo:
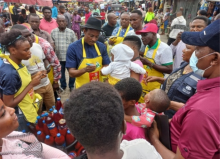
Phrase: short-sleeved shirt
(122,32)
(10,81)
(48,26)
(108,29)
(62,40)
(164,55)
(35,64)
(75,54)
(195,128)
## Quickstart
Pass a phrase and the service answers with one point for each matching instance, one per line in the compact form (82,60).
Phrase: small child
(121,66)
(156,102)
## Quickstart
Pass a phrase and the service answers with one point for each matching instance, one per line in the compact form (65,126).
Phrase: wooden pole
(10,14)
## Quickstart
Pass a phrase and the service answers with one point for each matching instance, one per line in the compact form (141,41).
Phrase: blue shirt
(10,81)
(74,54)
(122,32)
(54,12)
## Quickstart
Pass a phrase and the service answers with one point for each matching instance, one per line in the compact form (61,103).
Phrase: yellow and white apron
(92,76)
(151,72)
(50,74)
(30,103)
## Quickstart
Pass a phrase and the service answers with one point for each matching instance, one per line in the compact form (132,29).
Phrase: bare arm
(160,68)
(73,72)
(176,105)
(155,79)
(135,75)
(12,101)
(161,149)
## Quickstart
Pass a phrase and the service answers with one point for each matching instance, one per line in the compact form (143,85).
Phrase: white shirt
(177,21)
(138,149)
(35,64)
(122,65)
(164,55)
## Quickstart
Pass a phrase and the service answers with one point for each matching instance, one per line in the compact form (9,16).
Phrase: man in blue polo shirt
(87,56)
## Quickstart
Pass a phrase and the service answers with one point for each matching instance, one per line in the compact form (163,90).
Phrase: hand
(145,61)
(90,68)
(55,86)
(152,79)
(36,79)
(110,42)
(48,69)
(44,74)
(153,132)
(178,37)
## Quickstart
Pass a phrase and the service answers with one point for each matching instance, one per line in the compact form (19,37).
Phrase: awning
(32,2)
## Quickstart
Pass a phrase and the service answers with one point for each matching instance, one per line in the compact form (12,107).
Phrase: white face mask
(193,64)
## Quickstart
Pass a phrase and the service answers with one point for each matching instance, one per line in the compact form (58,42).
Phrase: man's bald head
(60,17)
(62,22)
(112,19)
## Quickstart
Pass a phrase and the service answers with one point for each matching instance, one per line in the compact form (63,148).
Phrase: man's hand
(178,38)
(55,86)
(111,42)
(90,68)
(153,132)
(145,61)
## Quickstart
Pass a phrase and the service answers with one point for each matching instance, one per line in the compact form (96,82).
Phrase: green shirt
(149,16)
(96,10)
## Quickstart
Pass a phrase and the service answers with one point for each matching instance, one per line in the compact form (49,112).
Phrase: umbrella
(32,2)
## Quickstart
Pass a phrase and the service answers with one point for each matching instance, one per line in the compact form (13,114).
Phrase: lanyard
(155,50)
(128,28)
(84,51)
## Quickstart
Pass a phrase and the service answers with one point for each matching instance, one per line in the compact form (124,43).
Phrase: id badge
(94,76)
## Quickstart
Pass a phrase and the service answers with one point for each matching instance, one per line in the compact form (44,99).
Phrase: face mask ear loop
(206,55)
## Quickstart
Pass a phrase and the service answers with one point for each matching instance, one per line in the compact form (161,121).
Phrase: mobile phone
(89,64)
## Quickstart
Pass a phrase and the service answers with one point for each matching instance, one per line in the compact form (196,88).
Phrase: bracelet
(55,81)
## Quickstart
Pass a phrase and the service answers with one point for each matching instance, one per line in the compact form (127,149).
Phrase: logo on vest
(188,88)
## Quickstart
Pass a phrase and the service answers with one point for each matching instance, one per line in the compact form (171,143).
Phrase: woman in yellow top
(149,15)
(16,85)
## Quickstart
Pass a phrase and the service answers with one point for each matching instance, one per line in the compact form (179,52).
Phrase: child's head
(133,42)
(122,52)
(157,100)
(130,90)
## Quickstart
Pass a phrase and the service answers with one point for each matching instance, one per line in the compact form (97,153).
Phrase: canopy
(32,2)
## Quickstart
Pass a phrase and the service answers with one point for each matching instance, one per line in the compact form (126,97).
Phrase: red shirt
(87,15)
(195,128)
(103,15)
(48,26)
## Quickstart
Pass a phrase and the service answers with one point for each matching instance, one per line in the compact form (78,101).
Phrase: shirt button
(185,149)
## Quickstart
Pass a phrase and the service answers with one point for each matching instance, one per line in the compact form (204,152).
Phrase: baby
(121,66)
(156,102)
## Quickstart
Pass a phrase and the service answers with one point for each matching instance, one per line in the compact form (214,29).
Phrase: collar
(207,84)
(63,30)
(155,45)
(49,21)
(40,31)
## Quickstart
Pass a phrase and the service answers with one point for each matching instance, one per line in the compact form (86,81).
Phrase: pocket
(187,87)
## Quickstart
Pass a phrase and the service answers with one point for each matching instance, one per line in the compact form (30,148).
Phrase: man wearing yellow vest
(120,32)
(86,56)
(157,58)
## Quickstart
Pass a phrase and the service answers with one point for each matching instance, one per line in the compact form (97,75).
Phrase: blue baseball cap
(210,36)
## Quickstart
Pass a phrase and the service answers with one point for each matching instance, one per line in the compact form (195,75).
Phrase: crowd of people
(122,78)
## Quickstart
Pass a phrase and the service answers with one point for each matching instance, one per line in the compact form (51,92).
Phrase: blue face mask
(193,64)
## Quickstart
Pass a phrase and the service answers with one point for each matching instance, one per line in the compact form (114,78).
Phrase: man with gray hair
(63,37)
